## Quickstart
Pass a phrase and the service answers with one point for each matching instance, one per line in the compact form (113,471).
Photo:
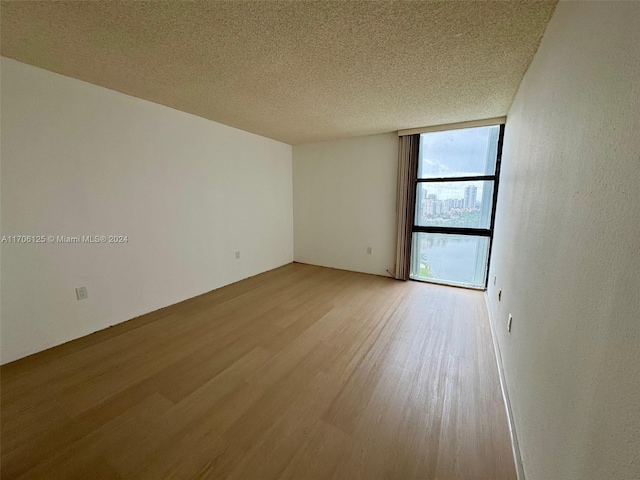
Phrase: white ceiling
(297,72)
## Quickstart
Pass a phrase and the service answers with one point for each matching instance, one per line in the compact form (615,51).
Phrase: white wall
(83,160)
(344,195)
(567,248)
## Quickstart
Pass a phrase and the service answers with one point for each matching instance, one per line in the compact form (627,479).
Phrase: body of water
(452,258)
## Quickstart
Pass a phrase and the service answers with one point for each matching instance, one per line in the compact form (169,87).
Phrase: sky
(455,153)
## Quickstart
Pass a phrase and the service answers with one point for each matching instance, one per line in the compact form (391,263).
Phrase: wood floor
(300,373)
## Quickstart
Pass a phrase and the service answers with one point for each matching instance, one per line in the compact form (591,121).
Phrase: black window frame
(476,232)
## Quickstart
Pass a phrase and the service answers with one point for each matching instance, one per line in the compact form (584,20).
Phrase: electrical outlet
(499,295)
(81,293)
(238,255)
(369,250)
(509,323)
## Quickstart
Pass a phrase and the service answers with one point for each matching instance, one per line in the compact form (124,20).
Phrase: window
(456,189)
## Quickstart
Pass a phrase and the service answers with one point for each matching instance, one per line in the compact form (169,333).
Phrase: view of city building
(448,196)
(461,207)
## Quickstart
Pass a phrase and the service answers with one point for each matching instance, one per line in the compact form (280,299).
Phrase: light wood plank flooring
(302,372)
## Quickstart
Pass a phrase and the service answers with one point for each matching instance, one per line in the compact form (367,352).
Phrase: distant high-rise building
(454,202)
(470,196)
(429,207)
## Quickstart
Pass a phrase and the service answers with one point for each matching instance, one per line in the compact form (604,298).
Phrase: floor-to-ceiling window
(456,189)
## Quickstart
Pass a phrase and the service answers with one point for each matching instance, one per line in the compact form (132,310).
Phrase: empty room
(317,240)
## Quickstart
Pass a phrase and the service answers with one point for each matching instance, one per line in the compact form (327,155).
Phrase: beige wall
(83,160)
(344,201)
(567,248)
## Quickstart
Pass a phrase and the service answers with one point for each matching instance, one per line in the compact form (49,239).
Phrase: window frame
(470,231)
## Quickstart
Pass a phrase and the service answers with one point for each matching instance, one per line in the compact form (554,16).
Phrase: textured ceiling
(293,71)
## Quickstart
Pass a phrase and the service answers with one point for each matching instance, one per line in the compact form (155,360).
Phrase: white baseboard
(515,448)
